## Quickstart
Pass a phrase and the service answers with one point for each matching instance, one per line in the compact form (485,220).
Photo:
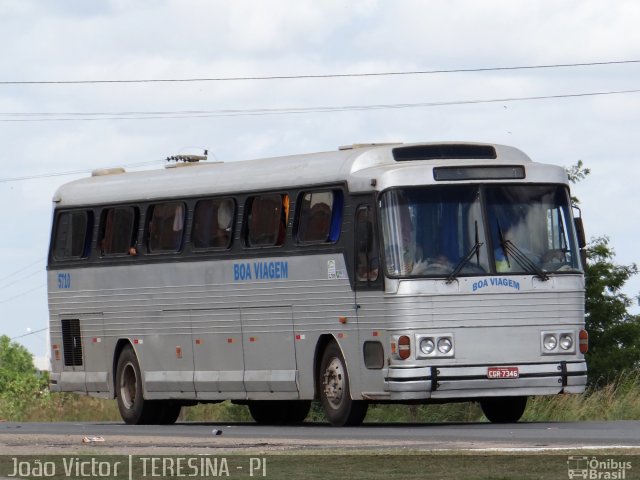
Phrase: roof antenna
(189,158)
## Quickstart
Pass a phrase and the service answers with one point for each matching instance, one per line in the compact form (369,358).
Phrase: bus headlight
(427,346)
(558,342)
(566,341)
(438,345)
(445,345)
(550,342)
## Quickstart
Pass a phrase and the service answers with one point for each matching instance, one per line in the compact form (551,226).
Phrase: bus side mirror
(583,257)
(582,242)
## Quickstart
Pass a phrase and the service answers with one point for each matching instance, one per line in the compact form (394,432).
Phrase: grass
(618,400)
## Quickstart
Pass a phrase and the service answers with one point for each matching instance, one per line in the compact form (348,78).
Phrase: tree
(614,333)
(20,383)
(15,362)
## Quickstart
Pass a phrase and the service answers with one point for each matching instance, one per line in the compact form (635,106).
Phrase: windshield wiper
(521,258)
(475,250)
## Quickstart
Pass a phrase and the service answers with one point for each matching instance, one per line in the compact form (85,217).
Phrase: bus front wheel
(503,409)
(333,388)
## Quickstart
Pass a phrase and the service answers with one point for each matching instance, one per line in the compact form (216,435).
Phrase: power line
(274,111)
(316,76)
(20,270)
(151,115)
(22,294)
(30,333)
(20,279)
(95,116)
(70,172)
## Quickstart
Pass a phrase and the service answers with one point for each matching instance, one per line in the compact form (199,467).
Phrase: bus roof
(357,166)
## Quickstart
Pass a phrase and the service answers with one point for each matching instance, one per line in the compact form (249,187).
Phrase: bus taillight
(404,347)
(584,341)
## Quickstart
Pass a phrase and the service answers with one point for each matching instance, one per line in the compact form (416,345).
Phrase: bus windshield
(531,223)
(468,230)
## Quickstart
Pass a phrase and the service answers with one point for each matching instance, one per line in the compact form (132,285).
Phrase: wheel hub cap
(128,386)
(334,383)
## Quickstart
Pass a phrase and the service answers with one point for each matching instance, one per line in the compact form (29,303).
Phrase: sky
(51,129)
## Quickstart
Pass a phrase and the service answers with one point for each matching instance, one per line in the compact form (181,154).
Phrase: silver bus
(378,273)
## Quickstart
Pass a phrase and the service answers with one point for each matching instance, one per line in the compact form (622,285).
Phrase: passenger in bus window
(165,227)
(319,223)
(222,234)
(267,220)
(284,219)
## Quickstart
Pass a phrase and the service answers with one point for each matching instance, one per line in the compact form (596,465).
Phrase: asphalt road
(54,437)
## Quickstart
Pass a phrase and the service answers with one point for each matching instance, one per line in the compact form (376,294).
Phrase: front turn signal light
(404,347)
(584,341)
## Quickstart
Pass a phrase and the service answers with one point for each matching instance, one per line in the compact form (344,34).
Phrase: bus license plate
(503,372)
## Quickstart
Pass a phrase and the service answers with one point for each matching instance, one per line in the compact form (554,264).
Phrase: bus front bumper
(478,381)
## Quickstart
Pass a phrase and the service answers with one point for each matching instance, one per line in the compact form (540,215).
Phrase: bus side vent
(72,342)
(446,151)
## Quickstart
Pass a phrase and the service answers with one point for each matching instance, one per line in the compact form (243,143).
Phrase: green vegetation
(20,383)
(614,334)
(617,400)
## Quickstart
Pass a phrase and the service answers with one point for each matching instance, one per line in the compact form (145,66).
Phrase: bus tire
(333,389)
(167,412)
(279,412)
(503,409)
(134,409)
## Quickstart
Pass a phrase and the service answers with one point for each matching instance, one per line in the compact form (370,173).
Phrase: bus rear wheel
(333,388)
(134,409)
(279,412)
(504,409)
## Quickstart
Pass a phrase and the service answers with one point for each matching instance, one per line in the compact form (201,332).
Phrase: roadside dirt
(38,444)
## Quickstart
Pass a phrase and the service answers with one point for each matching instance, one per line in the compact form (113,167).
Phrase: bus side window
(266,223)
(165,227)
(117,230)
(73,235)
(319,217)
(367,261)
(213,223)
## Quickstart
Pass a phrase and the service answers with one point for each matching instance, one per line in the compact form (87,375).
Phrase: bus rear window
(267,220)
(73,235)
(319,217)
(213,223)
(118,230)
(165,227)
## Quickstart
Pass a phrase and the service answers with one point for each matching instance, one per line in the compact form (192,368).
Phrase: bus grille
(72,342)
